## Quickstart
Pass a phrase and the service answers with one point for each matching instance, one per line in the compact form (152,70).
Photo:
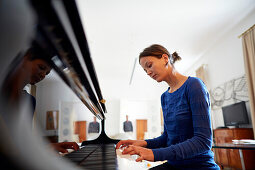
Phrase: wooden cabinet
(231,157)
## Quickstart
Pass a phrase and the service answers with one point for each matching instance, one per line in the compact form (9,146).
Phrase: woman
(30,69)
(187,139)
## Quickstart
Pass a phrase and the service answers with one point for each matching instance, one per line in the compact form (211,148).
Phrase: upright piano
(58,35)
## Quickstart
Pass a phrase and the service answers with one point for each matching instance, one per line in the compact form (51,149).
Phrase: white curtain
(248,41)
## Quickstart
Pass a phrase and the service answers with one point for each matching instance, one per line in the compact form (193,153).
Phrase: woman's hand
(63,146)
(144,153)
(125,143)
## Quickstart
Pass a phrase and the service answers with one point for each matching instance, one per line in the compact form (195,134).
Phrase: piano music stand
(102,139)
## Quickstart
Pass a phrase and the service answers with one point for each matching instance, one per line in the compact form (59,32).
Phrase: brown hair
(157,51)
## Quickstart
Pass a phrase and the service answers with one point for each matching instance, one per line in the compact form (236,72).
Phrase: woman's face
(39,69)
(154,67)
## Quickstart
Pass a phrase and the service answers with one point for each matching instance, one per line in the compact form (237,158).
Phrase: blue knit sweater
(187,138)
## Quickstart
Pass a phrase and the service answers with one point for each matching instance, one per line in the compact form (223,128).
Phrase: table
(240,147)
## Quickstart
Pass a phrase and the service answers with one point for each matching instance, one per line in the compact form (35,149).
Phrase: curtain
(202,74)
(248,42)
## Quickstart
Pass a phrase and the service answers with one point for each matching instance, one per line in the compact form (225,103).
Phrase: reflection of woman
(187,139)
(31,69)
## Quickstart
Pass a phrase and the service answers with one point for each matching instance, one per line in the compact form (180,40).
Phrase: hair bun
(175,57)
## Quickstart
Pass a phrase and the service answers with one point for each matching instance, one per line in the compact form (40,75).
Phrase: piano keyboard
(95,156)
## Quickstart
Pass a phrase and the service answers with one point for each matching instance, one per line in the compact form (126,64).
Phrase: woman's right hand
(125,143)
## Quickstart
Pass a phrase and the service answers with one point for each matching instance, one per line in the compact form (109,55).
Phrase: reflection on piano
(60,37)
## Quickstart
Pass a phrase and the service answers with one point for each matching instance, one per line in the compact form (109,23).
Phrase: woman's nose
(149,72)
(42,75)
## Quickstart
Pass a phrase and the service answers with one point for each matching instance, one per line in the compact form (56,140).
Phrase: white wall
(112,117)
(48,96)
(141,109)
(224,60)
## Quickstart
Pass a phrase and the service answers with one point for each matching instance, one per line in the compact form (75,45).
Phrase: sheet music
(244,141)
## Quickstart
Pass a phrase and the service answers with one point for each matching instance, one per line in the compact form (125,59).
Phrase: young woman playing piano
(187,139)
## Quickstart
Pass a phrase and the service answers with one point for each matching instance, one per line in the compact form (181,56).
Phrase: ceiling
(118,30)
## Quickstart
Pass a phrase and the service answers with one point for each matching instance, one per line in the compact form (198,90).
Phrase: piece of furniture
(240,148)
(233,157)
(80,130)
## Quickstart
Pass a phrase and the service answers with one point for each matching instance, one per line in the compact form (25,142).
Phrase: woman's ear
(165,58)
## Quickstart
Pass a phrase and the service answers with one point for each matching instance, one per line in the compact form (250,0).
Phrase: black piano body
(59,36)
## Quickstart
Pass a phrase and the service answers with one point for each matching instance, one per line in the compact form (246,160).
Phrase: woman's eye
(42,67)
(149,66)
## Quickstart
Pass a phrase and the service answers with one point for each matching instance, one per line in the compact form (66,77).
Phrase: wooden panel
(234,159)
(249,159)
(141,127)
(80,129)
(243,133)
(222,156)
(223,135)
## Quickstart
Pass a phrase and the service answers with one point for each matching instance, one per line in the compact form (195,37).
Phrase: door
(80,129)
(141,128)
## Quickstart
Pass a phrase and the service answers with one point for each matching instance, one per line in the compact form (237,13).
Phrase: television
(235,114)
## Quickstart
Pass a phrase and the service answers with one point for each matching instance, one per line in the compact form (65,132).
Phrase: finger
(127,150)
(124,146)
(75,146)
(62,150)
(70,145)
(132,153)
(122,143)
(139,159)
(130,149)
(67,145)
(119,144)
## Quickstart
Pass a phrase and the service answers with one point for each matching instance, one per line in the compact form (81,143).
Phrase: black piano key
(95,156)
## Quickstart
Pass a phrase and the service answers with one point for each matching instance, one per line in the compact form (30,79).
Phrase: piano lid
(60,34)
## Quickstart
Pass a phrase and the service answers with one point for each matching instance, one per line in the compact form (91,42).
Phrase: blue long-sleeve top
(187,136)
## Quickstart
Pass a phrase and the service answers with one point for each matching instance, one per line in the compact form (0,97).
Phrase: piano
(55,30)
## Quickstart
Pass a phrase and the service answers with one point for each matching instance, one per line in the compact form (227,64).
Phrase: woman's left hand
(63,146)
(144,153)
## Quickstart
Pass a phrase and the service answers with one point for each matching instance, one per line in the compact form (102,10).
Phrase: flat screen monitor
(235,114)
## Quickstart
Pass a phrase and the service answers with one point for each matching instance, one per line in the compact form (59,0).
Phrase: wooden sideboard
(231,157)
